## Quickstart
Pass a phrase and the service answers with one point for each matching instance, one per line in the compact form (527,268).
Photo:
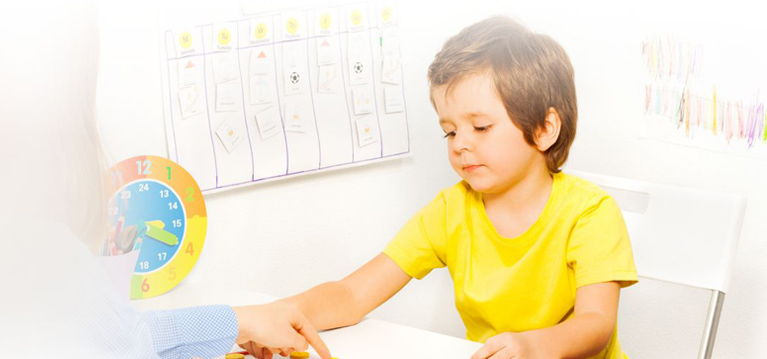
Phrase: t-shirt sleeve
(419,246)
(599,249)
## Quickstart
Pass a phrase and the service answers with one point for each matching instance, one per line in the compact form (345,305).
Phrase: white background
(286,236)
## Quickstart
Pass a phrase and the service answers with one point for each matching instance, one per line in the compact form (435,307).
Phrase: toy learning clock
(156,209)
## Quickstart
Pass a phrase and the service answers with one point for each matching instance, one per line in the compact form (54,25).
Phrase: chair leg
(712,322)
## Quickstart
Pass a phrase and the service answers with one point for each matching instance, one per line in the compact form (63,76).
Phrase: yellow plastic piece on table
(235,356)
(299,355)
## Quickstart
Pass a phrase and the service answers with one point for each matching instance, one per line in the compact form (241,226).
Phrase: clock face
(157,210)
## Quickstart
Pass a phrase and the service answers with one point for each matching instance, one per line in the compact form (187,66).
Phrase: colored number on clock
(190,194)
(190,249)
(145,286)
(172,273)
(117,177)
(144,168)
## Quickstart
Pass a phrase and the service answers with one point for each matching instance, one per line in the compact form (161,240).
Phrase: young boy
(537,257)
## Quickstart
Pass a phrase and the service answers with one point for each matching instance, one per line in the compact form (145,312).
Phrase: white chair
(680,235)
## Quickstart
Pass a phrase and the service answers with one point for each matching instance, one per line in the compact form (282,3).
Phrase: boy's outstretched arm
(583,336)
(346,302)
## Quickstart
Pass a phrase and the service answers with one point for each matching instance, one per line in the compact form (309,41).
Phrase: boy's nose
(462,143)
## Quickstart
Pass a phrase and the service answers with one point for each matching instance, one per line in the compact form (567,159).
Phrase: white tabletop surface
(370,339)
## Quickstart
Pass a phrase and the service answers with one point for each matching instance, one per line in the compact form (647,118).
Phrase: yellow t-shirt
(524,283)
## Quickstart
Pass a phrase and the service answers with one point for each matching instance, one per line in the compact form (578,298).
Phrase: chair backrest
(679,235)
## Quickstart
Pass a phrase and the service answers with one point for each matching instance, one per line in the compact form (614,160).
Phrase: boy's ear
(547,135)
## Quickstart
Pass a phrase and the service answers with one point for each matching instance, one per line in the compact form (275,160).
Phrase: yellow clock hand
(154,230)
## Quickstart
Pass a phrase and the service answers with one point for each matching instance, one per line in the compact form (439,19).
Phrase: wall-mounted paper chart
(285,93)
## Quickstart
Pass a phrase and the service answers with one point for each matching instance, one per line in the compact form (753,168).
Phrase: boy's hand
(505,346)
(276,328)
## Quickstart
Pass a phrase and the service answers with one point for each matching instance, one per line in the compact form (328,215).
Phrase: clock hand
(154,230)
(158,223)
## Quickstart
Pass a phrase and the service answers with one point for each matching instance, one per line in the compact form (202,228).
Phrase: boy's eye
(450,134)
(481,128)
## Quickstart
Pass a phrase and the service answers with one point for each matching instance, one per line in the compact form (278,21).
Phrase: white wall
(284,237)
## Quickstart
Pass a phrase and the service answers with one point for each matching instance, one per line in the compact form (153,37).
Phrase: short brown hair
(532,73)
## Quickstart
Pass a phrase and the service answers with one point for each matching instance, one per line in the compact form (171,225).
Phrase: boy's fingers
(503,354)
(487,350)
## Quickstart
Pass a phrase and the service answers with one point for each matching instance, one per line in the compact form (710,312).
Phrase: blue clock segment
(157,215)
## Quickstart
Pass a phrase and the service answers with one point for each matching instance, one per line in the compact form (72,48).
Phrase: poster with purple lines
(284,93)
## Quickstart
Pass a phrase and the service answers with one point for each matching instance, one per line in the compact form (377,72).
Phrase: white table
(370,339)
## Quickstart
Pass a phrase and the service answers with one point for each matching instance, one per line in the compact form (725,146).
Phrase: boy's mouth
(470,168)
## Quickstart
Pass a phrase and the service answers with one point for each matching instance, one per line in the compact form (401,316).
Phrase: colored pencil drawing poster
(705,91)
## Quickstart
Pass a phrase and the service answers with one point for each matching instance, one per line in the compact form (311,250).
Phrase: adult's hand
(276,327)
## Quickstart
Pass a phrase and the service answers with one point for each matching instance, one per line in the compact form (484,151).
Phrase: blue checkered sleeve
(204,332)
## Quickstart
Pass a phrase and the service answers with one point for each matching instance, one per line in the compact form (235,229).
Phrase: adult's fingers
(306,329)
(252,349)
(266,353)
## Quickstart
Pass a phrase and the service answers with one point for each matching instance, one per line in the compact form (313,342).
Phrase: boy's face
(484,146)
